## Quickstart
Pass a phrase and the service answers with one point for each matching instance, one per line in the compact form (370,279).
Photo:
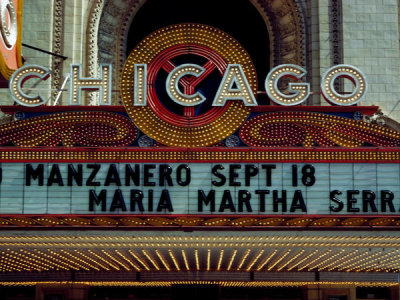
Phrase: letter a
(234,86)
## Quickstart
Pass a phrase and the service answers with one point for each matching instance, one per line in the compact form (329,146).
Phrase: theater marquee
(192,140)
(194,188)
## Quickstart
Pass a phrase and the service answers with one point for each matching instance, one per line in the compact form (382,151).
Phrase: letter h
(79,83)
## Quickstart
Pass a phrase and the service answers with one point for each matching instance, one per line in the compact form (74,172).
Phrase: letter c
(18,79)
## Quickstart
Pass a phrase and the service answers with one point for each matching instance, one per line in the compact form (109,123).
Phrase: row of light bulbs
(147,154)
(232,284)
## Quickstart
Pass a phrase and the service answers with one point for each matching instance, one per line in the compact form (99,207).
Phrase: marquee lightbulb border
(167,133)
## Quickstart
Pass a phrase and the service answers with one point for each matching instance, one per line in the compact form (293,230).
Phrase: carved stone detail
(91,64)
(57,46)
(114,23)
(288,31)
(336,29)
(335,23)
(92,29)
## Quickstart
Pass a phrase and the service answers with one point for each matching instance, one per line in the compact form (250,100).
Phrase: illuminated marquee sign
(191,139)
(193,188)
(234,85)
(238,78)
(192,104)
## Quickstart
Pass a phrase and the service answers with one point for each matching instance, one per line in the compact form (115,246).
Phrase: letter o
(350,72)
(183,169)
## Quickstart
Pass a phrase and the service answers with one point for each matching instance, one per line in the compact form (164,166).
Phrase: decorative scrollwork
(287,129)
(88,129)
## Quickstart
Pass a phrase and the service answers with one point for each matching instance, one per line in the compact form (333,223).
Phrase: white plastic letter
(140,92)
(19,77)
(300,91)
(79,83)
(234,86)
(347,71)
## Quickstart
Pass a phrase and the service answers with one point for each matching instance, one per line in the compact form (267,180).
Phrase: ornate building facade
(162,149)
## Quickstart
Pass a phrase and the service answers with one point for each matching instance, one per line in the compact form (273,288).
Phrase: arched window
(272,32)
(238,18)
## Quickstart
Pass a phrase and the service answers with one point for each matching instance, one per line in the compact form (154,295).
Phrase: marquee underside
(159,258)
